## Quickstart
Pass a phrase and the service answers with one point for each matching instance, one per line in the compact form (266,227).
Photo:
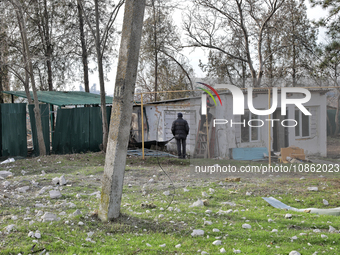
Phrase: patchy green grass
(141,230)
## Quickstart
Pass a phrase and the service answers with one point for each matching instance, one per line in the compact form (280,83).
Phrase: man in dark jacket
(180,129)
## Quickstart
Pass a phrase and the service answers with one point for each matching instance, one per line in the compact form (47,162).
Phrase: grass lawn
(148,224)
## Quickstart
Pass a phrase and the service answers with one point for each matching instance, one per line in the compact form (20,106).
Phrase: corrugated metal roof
(63,98)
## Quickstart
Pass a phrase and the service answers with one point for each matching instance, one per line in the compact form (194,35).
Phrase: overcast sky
(194,56)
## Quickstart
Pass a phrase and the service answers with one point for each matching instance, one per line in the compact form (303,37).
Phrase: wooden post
(115,160)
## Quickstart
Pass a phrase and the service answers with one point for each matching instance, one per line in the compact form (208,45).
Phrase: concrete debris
(49,217)
(197,232)
(76,213)
(62,180)
(325,202)
(316,230)
(228,203)
(217,242)
(147,244)
(216,230)
(23,189)
(9,228)
(332,230)
(178,246)
(166,193)
(220,212)
(39,213)
(55,194)
(288,216)
(80,223)
(236,251)
(205,194)
(248,193)
(208,211)
(222,250)
(294,253)
(90,234)
(162,245)
(44,189)
(31,234)
(246,226)
(37,234)
(207,222)
(9,160)
(312,188)
(55,180)
(197,203)
(211,190)
(59,180)
(324,236)
(6,184)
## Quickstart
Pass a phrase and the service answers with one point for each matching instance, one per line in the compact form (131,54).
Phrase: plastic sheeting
(278,204)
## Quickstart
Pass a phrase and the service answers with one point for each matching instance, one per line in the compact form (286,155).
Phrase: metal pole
(142,113)
(269,131)
(206,123)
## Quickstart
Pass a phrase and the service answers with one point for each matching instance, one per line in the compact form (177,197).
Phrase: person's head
(179,115)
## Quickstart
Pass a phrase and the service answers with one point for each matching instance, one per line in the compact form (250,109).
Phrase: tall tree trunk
(155,47)
(101,80)
(83,48)
(27,74)
(4,80)
(113,178)
(22,26)
(49,48)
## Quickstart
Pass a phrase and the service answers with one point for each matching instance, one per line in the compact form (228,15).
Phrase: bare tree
(101,37)
(26,49)
(214,25)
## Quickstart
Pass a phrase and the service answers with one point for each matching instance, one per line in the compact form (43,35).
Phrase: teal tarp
(13,130)
(256,153)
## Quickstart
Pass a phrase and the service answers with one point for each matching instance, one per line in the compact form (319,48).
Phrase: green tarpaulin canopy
(63,98)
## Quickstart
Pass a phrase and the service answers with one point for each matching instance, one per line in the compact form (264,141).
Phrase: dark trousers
(181,154)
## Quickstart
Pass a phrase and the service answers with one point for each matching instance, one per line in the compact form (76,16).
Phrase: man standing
(180,130)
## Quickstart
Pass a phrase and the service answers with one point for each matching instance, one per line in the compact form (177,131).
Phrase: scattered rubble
(197,232)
